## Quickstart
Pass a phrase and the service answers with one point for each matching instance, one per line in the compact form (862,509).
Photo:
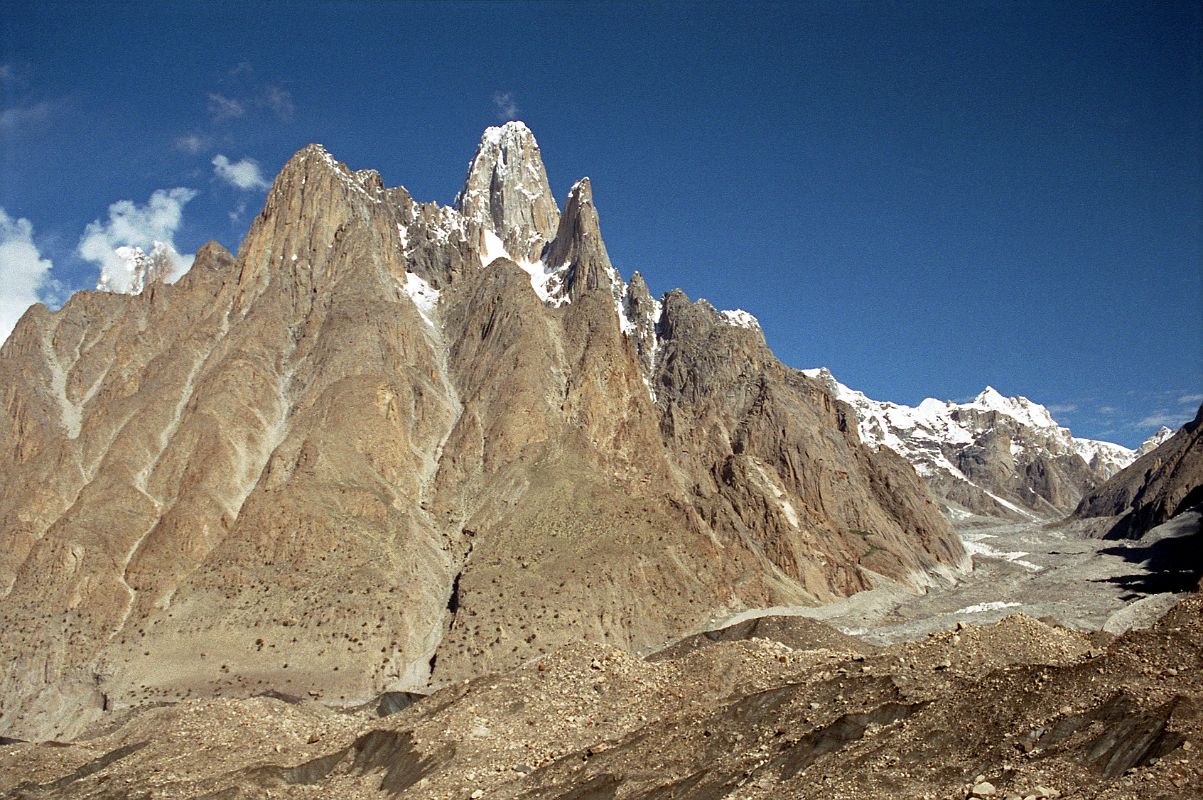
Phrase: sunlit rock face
(391,445)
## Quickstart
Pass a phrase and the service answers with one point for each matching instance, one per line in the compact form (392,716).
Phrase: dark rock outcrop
(1159,485)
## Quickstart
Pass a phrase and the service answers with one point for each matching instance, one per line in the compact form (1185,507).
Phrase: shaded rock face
(359,457)
(768,454)
(1161,484)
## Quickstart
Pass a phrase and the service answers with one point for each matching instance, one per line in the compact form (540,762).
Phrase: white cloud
(222,108)
(236,213)
(244,95)
(148,227)
(1062,408)
(24,274)
(280,102)
(192,143)
(15,75)
(17,116)
(1162,419)
(242,174)
(505,105)
(1108,410)
(1190,399)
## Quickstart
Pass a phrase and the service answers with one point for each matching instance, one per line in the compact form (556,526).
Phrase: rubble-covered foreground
(771,708)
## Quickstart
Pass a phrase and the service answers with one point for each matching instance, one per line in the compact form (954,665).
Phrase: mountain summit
(390,445)
(995,455)
(506,191)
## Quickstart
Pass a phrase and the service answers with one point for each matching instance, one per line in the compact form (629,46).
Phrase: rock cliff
(389,445)
(1161,484)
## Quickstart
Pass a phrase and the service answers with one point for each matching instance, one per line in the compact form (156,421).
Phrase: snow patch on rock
(741,319)
(425,296)
(492,248)
(547,282)
(975,546)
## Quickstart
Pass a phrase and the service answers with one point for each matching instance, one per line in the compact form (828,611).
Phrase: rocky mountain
(1162,483)
(390,445)
(995,455)
(506,194)
(1154,441)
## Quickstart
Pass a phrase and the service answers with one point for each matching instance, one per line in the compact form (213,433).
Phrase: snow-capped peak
(1155,441)
(1107,457)
(1019,408)
(494,134)
(507,155)
(990,397)
(741,319)
(943,439)
(506,190)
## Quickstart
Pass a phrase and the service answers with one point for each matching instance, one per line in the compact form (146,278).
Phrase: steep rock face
(764,452)
(578,246)
(1159,485)
(640,315)
(251,443)
(998,456)
(378,449)
(506,192)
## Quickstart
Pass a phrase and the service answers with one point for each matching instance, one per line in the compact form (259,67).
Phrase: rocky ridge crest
(141,269)
(1163,483)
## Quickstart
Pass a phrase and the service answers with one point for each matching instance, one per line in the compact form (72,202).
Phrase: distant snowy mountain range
(997,455)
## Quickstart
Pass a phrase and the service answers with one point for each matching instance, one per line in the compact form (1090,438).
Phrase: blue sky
(925,197)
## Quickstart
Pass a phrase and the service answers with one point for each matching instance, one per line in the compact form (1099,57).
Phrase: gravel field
(1058,574)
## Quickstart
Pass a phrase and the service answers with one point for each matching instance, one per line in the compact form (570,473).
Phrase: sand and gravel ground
(1059,574)
(989,688)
